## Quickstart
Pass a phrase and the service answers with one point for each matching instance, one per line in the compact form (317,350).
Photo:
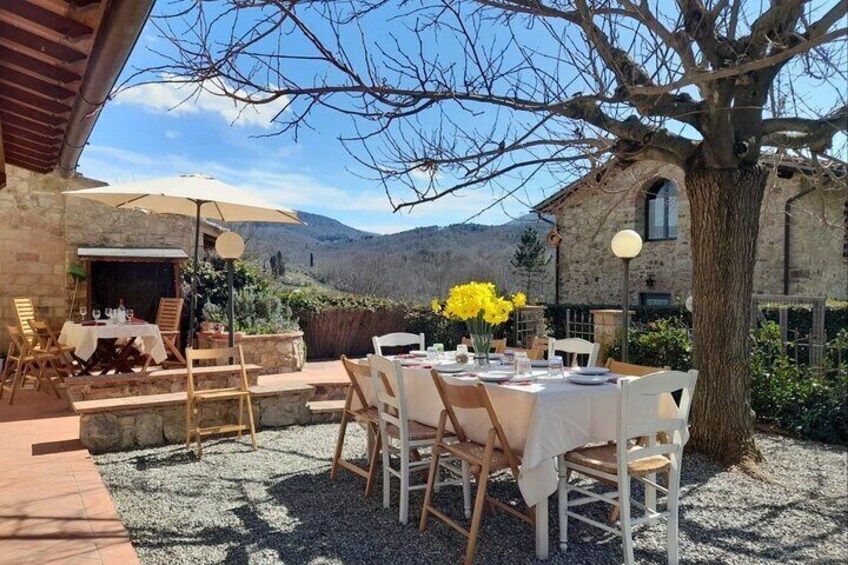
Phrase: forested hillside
(413,265)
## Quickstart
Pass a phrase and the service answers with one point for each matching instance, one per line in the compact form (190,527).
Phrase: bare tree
(504,95)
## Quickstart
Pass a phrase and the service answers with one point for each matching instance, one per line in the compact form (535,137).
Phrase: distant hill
(416,264)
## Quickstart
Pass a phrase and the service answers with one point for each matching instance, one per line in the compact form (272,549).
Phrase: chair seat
(417,431)
(369,414)
(603,458)
(473,453)
(220,393)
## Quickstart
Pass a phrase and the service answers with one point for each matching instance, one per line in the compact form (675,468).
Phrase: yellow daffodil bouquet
(480,307)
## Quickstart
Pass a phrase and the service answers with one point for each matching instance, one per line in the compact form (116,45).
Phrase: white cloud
(172,134)
(179,99)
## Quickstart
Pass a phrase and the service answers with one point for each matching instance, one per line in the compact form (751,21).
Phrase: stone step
(141,421)
(326,406)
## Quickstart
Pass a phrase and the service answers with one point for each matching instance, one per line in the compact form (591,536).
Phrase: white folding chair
(639,416)
(398,339)
(402,437)
(574,346)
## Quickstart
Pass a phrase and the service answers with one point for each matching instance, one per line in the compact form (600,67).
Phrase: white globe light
(690,303)
(626,244)
(229,245)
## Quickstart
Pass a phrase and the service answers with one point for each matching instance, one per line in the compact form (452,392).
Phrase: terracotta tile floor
(54,508)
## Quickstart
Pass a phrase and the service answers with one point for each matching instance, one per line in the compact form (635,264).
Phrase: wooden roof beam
(37,66)
(28,143)
(30,82)
(2,159)
(17,154)
(47,19)
(40,44)
(12,120)
(11,106)
(32,99)
(27,164)
(33,137)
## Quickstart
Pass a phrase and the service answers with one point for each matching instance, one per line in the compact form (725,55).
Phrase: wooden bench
(163,381)
(110,424)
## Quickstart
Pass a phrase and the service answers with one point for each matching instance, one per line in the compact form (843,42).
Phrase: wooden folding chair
(484,460)
(26,364)
(25,311)
(46,343)
(365,415)
(196,398)
(168,319)
(631,370)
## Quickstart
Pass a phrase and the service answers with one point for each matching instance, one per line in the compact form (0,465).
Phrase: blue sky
(140,135)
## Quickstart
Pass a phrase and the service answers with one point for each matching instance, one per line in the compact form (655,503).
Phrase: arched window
(661,211)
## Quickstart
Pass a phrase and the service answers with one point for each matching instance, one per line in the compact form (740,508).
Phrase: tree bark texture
(725,209)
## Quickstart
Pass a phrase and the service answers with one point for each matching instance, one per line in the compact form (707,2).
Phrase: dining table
(108,346)
(542,416)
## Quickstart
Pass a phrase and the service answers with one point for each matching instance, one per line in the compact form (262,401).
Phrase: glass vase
(482,344)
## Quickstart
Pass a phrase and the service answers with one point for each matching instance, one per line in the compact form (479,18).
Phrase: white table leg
(542,529)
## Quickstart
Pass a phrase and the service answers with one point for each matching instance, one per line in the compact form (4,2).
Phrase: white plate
(451,368)
(539,363)
(496,356)
(587,379)
(418,353)
(591,370)
(494,377)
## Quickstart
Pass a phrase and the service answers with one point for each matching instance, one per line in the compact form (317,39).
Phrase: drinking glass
(83,311)
(440,349)
(130,315)
(95,314)
(522,365)
(555,367)
(109,314)
(432,354)
(462,353)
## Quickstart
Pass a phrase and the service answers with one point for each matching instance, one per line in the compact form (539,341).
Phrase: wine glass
(83,311)
(108,313)
(130,315)
(95,314)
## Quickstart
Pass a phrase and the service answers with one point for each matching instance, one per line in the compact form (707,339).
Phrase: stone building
(42,232)
(650,197)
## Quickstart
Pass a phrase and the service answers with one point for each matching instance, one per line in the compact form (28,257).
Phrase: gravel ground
(278,505)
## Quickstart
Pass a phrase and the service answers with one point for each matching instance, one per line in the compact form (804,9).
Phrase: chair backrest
(169,314)
(25,311)
(574,346)
(540,342)
(215,354)
(456,394)
(360,381)
(631,370)
(498,345)
(387,379)
(640,415)
(397,339)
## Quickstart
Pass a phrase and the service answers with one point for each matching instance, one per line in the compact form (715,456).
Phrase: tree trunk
(725,210)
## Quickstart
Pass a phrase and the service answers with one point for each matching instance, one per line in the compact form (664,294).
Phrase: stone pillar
(607,329)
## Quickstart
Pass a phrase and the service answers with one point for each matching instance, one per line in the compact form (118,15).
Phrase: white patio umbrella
(196,195)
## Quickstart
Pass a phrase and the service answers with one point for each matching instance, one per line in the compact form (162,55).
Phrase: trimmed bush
(810,402)
(661,343)
(258,311)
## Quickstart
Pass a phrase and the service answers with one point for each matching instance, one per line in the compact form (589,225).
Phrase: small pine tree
(530,261)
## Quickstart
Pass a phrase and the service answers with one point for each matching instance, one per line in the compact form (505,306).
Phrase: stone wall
(275,353)
(41,230)
(589,218)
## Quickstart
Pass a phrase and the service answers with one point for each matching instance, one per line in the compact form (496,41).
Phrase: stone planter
(275,353)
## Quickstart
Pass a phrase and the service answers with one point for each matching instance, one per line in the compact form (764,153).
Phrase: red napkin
(137,321)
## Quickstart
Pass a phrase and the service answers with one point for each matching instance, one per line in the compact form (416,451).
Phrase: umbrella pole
(191,323)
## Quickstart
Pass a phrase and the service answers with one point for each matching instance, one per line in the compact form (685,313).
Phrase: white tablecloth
(541,420)
(84,338)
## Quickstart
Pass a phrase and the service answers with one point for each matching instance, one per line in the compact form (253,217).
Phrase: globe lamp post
(230,246)
(626,245)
